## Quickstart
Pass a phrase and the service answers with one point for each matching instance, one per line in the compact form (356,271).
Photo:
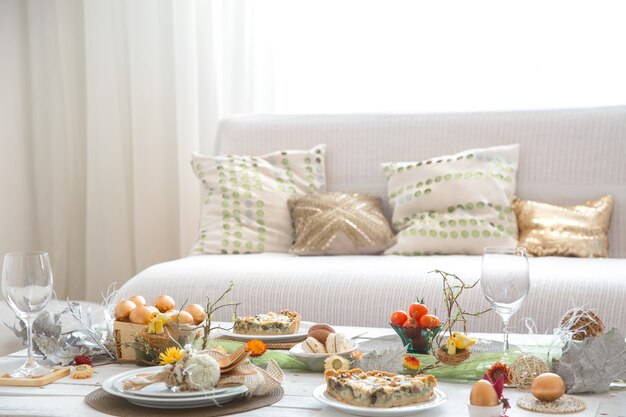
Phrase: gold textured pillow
(548,230)
(340,224)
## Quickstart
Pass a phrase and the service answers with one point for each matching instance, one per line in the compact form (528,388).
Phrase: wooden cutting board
(35,381)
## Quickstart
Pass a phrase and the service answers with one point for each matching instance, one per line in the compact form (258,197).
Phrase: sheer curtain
(103,103)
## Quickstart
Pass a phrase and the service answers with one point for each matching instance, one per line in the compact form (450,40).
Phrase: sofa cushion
(578,230)
(454,204)
(340,224)
(245,207)
(365,290)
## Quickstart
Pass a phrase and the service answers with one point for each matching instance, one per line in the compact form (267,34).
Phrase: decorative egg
(138,300)
(141,315)
(182,318)
(123,309)
(164,303)
(197,312)
(483,394)
(548,387)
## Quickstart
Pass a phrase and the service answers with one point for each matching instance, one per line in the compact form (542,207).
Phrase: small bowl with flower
(324,348)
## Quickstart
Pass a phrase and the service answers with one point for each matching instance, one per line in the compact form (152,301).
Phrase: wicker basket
(456,359)
(125,334)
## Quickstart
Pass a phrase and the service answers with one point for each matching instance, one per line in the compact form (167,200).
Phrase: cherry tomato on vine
(411,323)
(430,321)
(417,310)
(398,318)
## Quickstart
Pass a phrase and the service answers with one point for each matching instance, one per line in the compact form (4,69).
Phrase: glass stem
(506,334)
(29,334)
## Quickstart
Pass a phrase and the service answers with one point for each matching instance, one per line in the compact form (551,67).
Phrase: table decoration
(564,405)
(525,368)
(60,337)
(582,323)
(593,364)
(81,371)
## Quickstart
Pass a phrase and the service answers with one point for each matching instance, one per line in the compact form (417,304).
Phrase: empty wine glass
(27,288)
(505,282)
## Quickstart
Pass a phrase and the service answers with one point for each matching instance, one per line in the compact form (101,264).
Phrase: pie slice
(377,389)
(270,324)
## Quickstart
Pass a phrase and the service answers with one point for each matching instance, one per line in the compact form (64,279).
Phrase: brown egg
(141,315)
(123,309)
(320,332)
(548,387)
(164,303)
(138,299)
(182,318)
(153,309)
(483,394)
(197,312)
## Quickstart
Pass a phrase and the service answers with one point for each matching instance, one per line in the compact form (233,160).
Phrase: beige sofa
(567,156)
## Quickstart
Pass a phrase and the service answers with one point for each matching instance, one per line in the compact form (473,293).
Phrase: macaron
(320,332)
(312,345)
(337,343)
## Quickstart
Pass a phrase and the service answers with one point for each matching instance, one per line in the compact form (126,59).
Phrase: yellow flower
(171,355)
(336,362)
(256,347)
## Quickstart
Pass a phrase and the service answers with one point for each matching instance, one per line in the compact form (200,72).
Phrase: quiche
(270,324)
(378,389)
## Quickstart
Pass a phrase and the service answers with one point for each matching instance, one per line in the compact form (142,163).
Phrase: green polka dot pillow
(454,204)
(245,208)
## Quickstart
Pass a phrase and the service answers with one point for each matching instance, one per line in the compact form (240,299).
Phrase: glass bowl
(417,339)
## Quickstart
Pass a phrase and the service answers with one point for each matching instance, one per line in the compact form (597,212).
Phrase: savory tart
(378,389)
(270,324)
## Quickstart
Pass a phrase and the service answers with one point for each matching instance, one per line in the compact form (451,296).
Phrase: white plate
(315,361)
(158,396)
(320,394)
(299,335)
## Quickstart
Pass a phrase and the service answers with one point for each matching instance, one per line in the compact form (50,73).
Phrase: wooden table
(65,397)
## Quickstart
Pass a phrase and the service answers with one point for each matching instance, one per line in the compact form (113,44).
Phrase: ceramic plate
(159,396)
(299,335)
(315,361)
(320,394)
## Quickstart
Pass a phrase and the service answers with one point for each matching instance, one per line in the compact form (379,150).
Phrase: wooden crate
(125,334)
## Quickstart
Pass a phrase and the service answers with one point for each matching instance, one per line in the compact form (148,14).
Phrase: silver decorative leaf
(593,364)
(59,337)
(387,359)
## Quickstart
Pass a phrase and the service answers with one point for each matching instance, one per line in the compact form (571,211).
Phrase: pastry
(312,345)
(285,322)
(337,343)
(377,389)
(320,332)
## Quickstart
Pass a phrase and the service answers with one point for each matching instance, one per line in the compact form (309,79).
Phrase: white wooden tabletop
(64,398)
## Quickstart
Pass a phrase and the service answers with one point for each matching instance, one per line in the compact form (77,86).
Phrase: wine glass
(27,288)
(505,282)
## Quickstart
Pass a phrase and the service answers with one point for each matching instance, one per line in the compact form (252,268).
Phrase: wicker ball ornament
(582,323)
(525,369)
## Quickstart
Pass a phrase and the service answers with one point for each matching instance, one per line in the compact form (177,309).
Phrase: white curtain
(102,104)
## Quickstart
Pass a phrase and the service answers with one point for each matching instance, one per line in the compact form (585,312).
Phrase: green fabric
(471,370)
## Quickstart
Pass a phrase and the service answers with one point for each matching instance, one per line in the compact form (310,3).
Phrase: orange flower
(497,369)
(412,363)
(256,347)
